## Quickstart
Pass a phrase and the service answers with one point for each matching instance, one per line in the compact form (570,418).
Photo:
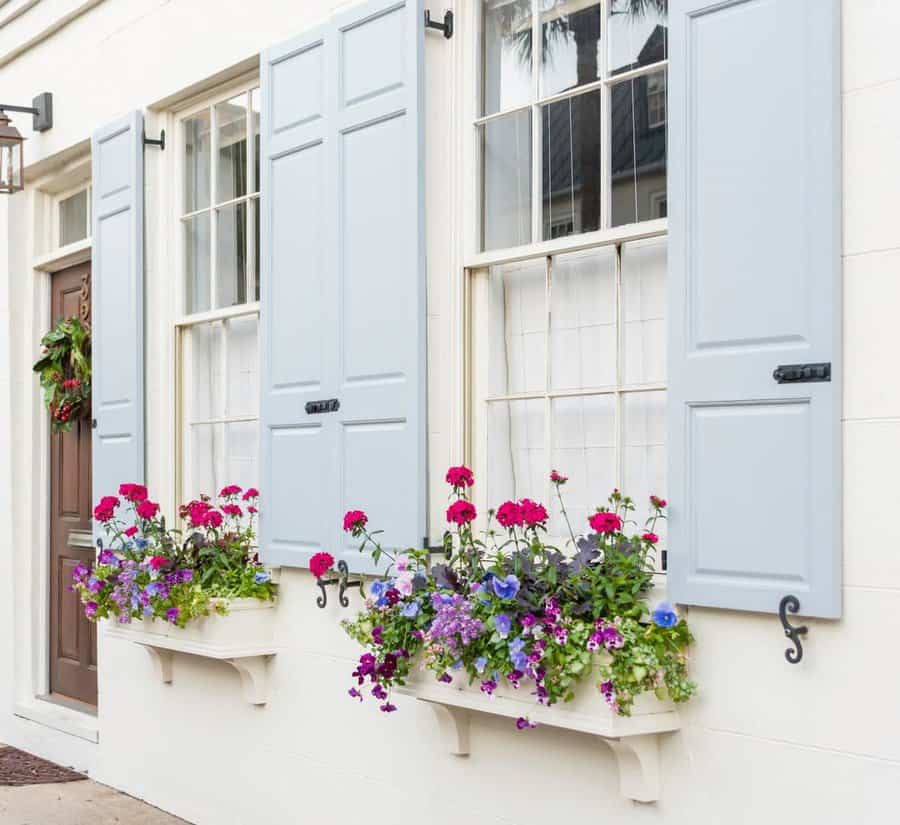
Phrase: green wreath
(65,371)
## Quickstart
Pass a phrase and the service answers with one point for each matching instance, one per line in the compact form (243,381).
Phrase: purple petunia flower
(172,614)
(506,588)
(524,724)
(387,707)
(446,678)
(503,624)
(90,610)
(665,615)
(107,557)
(379,692)
(355,694)
(488,686)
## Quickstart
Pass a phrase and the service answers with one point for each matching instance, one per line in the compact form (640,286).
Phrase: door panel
(73,640)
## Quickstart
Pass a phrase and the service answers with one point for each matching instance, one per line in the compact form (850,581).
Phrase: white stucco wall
(763,741)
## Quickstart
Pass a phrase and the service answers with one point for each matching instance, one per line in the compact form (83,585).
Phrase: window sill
(634,740)
(243,639)
(59,717)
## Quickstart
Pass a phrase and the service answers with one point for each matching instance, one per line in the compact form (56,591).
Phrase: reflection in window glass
(506,180)
(638,34)
(196,162)
(254,126)
(518,328)
(572,165)
(638,155)
(583,320)
(197,263)
(231,142)
(570,45)
(507,58)
(516,453)
(644,300)
(231,255)
(73,218)
(584,448)
(644,447)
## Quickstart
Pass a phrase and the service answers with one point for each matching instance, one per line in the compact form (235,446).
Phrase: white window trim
(474,256)
(182,321)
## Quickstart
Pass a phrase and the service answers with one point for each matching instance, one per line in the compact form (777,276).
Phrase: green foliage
(65,372)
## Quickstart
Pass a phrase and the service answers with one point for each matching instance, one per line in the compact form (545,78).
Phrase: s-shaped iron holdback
(792,604)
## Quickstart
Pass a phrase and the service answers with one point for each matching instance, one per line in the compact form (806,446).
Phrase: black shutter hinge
(161,141)
(446,27)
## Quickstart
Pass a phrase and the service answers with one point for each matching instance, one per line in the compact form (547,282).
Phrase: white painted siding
(763,741)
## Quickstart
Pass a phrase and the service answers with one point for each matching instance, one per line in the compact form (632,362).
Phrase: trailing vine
(65,372)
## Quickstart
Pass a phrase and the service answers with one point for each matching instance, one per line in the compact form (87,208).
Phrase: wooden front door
(73,639)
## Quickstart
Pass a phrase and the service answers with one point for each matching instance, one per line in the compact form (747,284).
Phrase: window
(569,363)
(219,326)
(569,132)
(73,216)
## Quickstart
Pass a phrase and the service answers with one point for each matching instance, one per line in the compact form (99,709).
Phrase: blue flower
(456,665)
(506,588)
(482,593)
(503,624)
(664,615)
(519,660)
(481,664)
(517,645)
(377,589)
(261,578)
(410,610)
(141,543)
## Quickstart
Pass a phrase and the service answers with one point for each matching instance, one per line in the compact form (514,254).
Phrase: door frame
(31,502)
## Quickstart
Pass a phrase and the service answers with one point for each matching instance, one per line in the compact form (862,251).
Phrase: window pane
(644,311)
(572,170)
(231,164)
(196,263)
(518,328)
(516,457)
(638,149)
(206,464)
(196,162)
(204,384)
(506,71)
(571,53)
(583,320)
(73,218)
(254,121)
(644,447)
(638,34)
(241,454)
(584,449)
(242,380)
(506,181)
(231,255)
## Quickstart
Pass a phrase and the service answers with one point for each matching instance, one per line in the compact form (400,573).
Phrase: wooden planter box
(244,639)
(633,739)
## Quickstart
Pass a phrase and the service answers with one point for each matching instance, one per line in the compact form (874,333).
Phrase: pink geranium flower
(461,512)
(250,492)
(354,520)
(147,509)
(230,490)
(509,514)
(532,512)
(461,476)
(105,510)
(320,564)
(604,522)
(135,493)
(650,538)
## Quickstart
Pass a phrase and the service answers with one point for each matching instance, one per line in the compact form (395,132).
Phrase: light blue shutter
(343,284)
(755,273)
(117,313)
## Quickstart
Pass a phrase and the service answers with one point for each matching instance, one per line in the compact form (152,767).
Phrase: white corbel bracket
(252,665)
(634,741)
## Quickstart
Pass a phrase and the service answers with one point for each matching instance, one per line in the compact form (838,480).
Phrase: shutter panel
(343,284)
(755,269)
(117,314)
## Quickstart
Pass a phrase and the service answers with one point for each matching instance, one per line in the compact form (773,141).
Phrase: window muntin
(573,374)
(218,332)
(583,100)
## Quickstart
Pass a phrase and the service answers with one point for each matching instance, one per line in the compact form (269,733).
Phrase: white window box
(244,638)
(634,739)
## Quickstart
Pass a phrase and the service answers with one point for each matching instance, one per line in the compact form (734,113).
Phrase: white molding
(64,257)
(60,718)
(19,38)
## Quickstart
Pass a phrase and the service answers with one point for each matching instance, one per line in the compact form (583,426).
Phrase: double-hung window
(567,347)
(217,331)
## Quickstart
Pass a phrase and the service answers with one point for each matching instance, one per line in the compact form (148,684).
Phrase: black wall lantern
(12,162)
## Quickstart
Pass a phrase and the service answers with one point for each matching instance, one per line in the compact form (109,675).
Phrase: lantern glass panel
(10,166)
